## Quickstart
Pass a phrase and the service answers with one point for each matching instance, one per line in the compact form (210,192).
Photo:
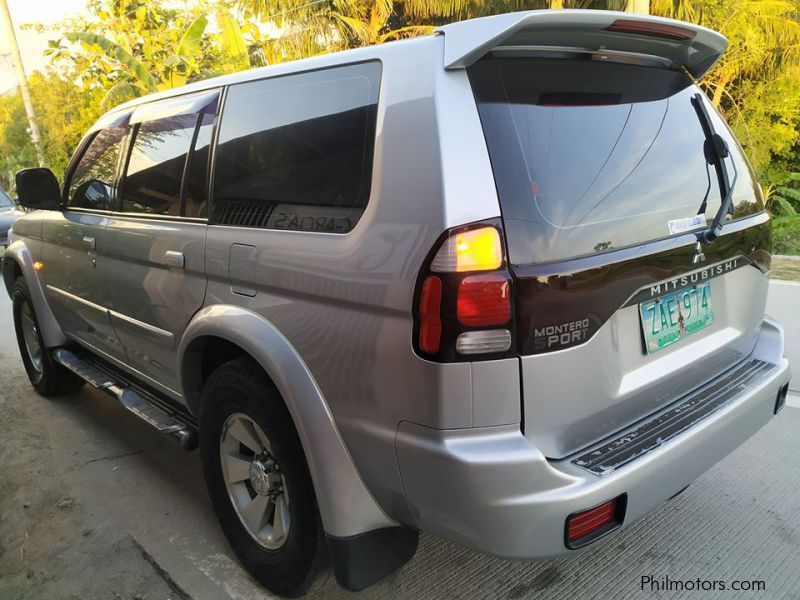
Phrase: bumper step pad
(673,421)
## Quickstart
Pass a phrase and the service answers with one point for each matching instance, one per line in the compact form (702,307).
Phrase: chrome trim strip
(75,298)
(159,334)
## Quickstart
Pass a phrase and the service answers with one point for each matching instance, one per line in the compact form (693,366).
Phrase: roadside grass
(786,242)
(786,268)
(786,235)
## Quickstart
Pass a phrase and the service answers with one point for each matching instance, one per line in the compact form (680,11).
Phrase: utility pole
(23,81)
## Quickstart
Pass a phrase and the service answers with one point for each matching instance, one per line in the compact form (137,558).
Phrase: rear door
(604,187)
(157,231)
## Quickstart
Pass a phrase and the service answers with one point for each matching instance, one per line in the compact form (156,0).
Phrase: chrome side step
(139,403)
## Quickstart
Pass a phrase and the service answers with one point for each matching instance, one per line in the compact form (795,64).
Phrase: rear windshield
(591,156)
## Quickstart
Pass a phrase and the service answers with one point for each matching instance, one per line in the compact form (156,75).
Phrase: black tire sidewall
(241,387)
(20,295)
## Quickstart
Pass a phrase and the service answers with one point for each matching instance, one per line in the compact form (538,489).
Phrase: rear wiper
(716,151)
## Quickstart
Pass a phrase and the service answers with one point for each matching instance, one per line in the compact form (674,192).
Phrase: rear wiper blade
(716,150)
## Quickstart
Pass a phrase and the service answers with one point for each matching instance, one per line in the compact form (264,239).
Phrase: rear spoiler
(682,44)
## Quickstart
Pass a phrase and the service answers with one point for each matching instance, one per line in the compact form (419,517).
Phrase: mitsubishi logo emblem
(699,256)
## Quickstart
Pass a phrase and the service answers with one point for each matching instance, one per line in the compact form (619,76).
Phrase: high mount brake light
(463,307)
(659,30)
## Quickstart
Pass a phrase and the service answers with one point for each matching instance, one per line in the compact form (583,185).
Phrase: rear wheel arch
(203,355)
(218,334)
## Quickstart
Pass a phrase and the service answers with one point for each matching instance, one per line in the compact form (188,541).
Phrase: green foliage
(786,235)
(126,48)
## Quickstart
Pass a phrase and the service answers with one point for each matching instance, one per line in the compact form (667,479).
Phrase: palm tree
(764,37)
(307,27)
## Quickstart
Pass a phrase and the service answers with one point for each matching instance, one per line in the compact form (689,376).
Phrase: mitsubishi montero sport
(504,284)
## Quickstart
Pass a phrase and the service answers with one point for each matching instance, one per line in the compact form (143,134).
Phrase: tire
(239,401)
(47,376)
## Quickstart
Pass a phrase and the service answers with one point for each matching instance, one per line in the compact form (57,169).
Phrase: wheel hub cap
(259,478)
(255,482)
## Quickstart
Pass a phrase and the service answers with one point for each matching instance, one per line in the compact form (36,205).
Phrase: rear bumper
(491,489)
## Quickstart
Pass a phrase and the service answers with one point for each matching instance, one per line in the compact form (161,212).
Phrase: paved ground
(95,505)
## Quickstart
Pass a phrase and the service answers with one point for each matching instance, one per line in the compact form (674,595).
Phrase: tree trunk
(641,7)
(719,90)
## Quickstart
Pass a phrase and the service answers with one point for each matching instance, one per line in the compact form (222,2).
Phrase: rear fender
(346,506)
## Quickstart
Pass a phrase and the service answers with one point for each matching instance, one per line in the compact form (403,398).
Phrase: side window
(92,183)
(295,152)
(197,176)
(168,165)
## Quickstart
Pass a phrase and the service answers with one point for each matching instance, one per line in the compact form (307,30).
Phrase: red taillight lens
(483,300)
(580,525)
(661,30)
(430,319)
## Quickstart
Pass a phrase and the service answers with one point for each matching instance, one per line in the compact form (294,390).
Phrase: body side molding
(346,506)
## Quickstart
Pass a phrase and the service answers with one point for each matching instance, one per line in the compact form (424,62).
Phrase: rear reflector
(430,319)
(587,526)
(483,300)
(660,30)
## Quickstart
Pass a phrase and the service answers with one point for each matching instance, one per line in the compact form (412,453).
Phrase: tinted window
(92,184)
(295,152)
(590,156)
(154,175)
(196,195)
(5,201)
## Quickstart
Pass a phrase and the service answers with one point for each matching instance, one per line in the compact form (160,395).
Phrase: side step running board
(143,405)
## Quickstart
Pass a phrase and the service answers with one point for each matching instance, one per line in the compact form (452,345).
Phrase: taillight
(430,307)
(483,300)
(464,301)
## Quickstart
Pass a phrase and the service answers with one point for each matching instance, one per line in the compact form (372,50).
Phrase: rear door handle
(90,241)
(175,259)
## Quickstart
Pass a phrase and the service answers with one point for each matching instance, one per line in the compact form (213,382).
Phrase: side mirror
(38,188)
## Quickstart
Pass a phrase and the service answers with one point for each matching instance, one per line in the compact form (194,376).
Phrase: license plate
(674,316)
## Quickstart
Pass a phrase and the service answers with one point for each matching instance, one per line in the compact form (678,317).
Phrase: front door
(158,231)
(75,270)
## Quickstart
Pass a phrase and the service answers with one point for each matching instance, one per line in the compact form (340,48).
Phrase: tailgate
(604,190)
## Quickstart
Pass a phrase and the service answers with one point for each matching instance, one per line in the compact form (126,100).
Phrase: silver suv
(504,284)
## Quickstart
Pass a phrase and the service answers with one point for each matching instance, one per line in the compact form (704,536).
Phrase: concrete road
(783,304)
(95,504)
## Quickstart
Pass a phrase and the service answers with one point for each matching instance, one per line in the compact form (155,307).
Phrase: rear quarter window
(295,152)
(591,156)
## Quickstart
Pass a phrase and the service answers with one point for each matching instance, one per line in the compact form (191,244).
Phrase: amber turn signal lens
(473,250)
